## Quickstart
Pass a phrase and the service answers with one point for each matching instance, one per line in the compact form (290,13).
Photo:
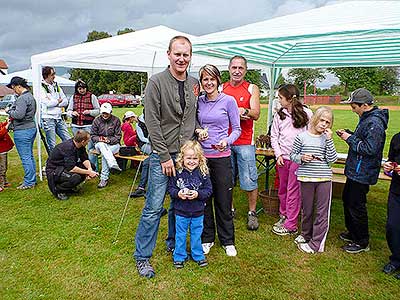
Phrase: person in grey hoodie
(22,116)
(362,168)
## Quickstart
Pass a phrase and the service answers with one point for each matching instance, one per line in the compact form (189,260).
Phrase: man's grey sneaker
(346,236)
(206,247)
(139,192)
(145,269)
(252,221)
(102,184)
(300,240)
(355,248)
(281,221)
(281,230)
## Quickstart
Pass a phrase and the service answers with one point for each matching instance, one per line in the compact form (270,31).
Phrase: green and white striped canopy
(355,33)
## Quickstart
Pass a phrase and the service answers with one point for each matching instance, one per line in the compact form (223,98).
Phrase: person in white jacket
(52,101)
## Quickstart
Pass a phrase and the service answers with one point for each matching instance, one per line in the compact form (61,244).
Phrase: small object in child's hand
(316,157)
(339,132)
(214,146)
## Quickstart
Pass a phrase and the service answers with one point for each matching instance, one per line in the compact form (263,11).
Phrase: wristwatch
(246,112)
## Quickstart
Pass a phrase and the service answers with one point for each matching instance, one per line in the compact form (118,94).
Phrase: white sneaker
(305,248)
(300,240)
(230,250)
(206,247)
(281,221)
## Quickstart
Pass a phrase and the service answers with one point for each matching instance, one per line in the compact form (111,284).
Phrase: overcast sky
(29,27)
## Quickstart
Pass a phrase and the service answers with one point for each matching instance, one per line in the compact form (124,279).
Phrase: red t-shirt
(242,96)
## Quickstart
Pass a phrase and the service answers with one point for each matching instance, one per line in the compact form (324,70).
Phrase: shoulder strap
(46,88)
(250,89)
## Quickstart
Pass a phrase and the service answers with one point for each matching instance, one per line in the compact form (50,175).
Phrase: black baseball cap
(361,96)
(16,80)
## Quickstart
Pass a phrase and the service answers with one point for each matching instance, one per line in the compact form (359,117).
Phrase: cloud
(30,27)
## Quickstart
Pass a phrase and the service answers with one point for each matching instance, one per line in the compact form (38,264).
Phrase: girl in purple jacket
(291,119)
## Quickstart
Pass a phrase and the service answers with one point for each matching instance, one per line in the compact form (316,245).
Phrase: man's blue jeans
(145,174)
(195,227)
(51,128)
(90,146)
(146,233)
(23,140)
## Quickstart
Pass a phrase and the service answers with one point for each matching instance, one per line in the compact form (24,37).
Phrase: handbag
(128,151)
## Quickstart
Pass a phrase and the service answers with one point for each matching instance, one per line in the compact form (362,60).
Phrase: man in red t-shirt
(243,151)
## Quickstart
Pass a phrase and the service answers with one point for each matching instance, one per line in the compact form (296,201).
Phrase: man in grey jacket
(106,135)
(170,112)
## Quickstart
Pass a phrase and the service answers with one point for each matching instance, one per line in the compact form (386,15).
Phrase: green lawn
(64,250)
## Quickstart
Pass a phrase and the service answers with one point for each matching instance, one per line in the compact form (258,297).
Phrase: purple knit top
(221,117)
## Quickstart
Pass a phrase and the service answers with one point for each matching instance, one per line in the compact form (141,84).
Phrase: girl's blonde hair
(198,151)
(322,111)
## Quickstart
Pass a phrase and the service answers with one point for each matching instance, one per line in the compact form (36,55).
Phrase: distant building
(3,67)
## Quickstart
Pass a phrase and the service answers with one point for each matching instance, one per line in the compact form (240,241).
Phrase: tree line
(379,80)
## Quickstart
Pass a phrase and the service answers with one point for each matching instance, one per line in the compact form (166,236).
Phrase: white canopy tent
(141,51)
(27,74)
(356,33)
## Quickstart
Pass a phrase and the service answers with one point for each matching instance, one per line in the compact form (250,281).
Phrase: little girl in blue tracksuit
(190,189)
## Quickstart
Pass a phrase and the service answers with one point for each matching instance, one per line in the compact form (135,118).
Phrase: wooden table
(264,157)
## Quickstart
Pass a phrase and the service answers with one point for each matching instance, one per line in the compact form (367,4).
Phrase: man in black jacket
(68,165)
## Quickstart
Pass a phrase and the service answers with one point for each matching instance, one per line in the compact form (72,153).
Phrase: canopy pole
(272,76)
(36,79)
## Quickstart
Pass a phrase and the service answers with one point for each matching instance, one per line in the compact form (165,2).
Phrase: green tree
(311,76)
(252,76)
(378,80)
(102,82)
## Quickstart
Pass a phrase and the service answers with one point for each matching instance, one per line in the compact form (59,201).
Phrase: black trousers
(355,211)
(68,181)
(393,228)
(61,181)
(221,178)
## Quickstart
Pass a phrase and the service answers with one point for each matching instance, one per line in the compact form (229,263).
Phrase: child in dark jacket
(392,166)
(190,189)
(6,144)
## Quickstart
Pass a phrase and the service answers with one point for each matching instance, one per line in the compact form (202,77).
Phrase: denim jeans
(195,226)
(51,128)
(244,164)
(90,146)
(107,159)
(147,230)
(145,174)
(23,140)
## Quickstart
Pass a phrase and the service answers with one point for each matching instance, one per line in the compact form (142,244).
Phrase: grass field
(64,250)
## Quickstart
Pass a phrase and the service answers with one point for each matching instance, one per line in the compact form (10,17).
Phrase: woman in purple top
(218,116)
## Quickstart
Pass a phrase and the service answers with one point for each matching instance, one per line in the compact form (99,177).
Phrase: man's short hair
(179,37)
(46,71)
(238,57)
(81,135)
